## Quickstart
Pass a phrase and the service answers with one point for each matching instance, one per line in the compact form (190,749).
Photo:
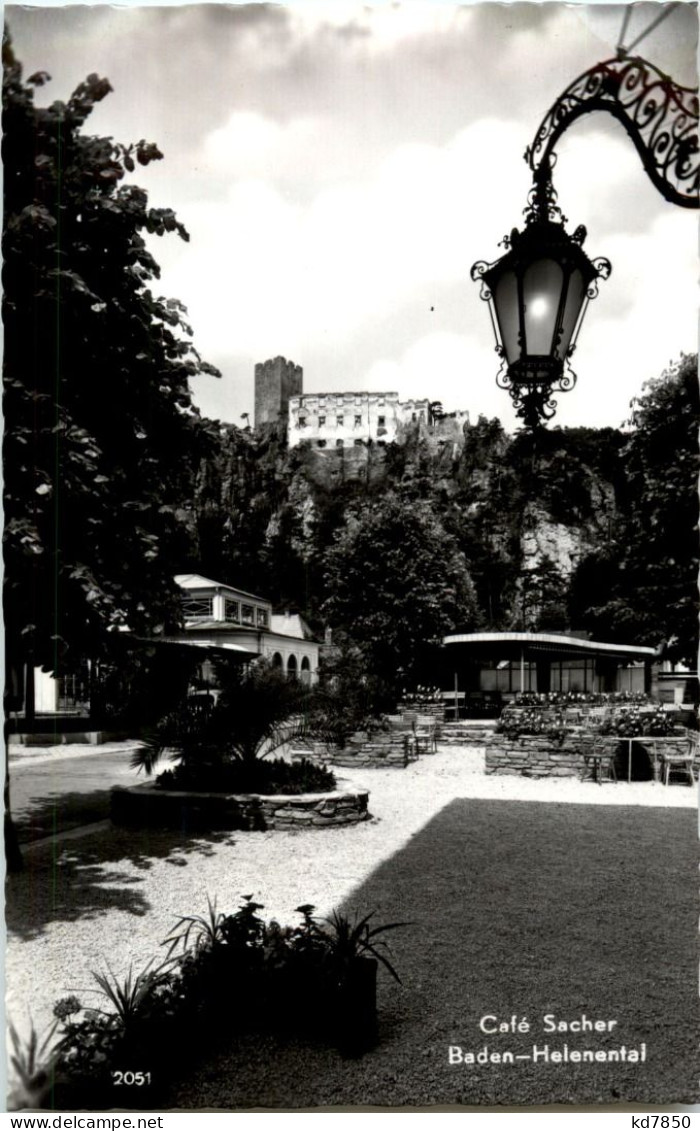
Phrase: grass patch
(518,908)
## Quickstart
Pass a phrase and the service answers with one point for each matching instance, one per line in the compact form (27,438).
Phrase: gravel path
(112,895)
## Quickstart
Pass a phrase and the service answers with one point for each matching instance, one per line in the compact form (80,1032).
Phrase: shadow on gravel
(54,815)
(93,874)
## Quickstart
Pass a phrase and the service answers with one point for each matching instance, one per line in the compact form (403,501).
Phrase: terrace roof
(524,645)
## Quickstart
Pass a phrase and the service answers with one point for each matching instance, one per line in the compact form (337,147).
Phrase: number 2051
(131,1079)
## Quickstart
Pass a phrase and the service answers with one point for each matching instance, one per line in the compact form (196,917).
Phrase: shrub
(224,973)
(630,722)
(276,776)
(578,698)
(258,711)
(532,721)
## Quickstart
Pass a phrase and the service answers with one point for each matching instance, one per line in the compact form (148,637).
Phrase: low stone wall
(385,748)
(146,805)
(534,756)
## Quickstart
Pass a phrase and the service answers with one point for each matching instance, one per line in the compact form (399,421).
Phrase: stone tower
(276,381)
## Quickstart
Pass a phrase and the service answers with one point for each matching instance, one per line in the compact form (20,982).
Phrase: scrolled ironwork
(477,275)
(533,405)
(603,268)
(660,117)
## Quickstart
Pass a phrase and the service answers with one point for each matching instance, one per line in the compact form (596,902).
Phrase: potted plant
(354,954)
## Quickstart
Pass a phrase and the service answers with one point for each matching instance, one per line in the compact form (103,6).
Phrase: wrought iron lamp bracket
(660,117)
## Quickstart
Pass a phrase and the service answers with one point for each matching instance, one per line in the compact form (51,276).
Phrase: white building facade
(222,618)
(337,420)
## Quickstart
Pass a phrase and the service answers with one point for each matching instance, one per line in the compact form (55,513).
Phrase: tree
(397,583)
(99,424)
(641,586)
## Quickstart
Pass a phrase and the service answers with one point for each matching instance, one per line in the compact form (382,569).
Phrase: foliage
(130,995)
(282,515)
(578,698)
(629,714)
(273,776)
(350,939)
(548,724)
(136,684)
(258,711)
(224,973)
(33,1060)
(642,584)
(356,697)
(423,695)
(629,721)
(396,583)
(100,430)
(247,946)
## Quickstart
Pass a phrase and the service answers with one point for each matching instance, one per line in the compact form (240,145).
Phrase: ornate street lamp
(537,294)
(539,290)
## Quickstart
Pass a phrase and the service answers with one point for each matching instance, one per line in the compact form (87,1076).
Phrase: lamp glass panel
(542,287)
(572,308)
(505,299)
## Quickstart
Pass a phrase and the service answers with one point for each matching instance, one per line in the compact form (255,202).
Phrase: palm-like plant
(350,939)
(131,994)
(259,710)
(33,1060)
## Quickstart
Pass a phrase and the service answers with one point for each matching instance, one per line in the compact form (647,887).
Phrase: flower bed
(632,722)
(224,975)
(546,724)
(151,806)
(578,698)
(424,701)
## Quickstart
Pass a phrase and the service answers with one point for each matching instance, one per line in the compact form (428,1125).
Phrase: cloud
(340,167)
(352,250)
(252,145)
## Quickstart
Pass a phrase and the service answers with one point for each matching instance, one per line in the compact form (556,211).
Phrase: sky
(339,168)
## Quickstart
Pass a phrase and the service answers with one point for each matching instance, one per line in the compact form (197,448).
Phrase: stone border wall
(386,748)
(534,756)
(146,805)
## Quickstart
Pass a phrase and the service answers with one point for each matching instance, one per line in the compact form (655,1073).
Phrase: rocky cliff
(524,510)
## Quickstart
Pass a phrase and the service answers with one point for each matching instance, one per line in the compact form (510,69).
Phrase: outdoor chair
(425,730)
(681,761)
(573,716)
(599,758)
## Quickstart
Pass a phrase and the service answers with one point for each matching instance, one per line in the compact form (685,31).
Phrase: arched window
(292,667)
(277,660)
(305,670)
